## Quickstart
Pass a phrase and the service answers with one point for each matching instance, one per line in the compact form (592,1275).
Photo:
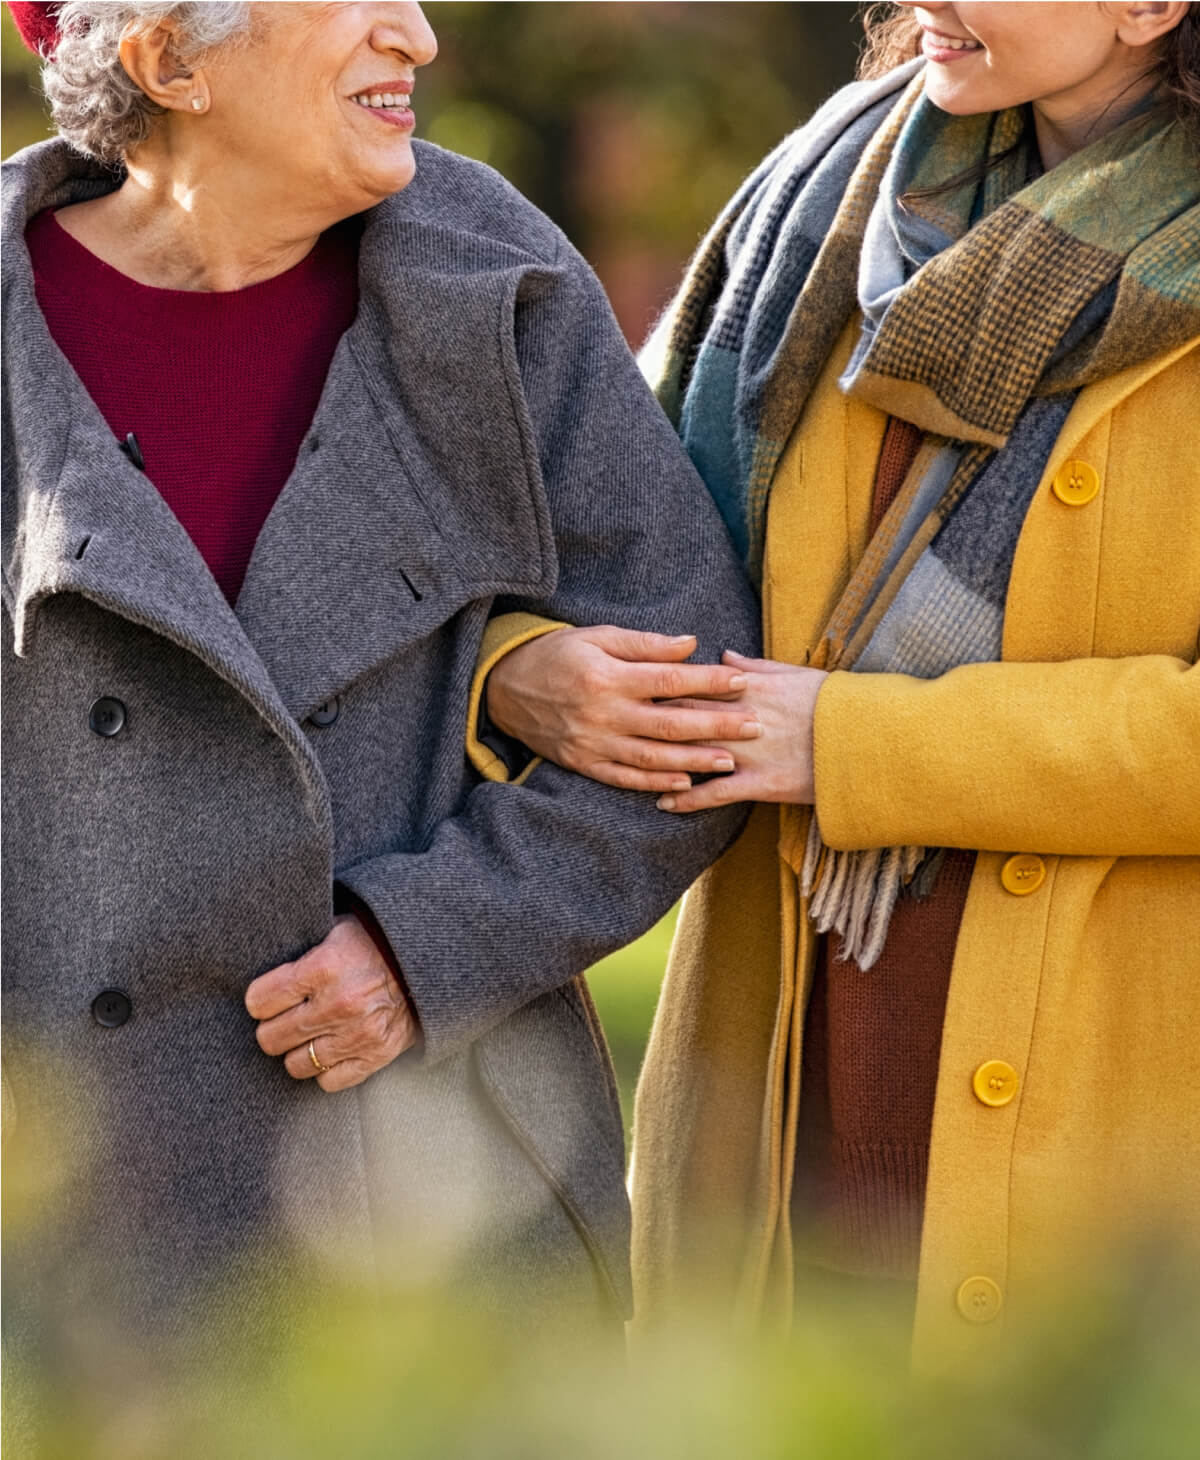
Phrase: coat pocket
(551,1082)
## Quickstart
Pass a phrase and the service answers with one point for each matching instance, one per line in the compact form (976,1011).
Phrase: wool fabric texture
(219,388)
(869,1071)
(986,306)
(457,465)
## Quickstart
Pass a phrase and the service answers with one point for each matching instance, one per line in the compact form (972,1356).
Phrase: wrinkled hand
(589,700)
(778,766)
(343,996)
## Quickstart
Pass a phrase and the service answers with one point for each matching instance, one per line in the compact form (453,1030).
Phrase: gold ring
(317,1065)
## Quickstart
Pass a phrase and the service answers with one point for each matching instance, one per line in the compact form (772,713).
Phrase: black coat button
(324,715)
(111,1008)
(107,716)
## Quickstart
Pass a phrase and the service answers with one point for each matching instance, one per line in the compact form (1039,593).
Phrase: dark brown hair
(893,35)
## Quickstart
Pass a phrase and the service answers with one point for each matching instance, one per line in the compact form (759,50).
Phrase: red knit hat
(38,25)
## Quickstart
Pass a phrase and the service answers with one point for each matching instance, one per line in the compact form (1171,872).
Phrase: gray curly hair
(94,104)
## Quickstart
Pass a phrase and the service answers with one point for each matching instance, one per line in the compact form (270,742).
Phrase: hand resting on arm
(624,708)
(609,703)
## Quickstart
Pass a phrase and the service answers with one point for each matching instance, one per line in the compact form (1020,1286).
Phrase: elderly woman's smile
(391,102)
(244,135)
(279,84)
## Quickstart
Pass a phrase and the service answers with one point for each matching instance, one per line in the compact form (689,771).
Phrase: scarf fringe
(854,894)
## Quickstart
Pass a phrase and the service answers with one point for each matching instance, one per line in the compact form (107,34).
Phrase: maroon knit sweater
(218,388)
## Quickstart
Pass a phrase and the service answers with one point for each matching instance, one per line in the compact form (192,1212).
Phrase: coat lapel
(400,510)
(98,528)
(403,508)
(81,518)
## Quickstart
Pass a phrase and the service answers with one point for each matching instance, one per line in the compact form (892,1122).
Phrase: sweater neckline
(132,307)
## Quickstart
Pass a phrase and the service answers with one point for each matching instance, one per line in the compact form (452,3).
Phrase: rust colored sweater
(870,1061)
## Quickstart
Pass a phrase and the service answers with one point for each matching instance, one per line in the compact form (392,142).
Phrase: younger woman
(931,1022)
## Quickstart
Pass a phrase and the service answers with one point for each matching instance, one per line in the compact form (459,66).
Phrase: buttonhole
(313,442)
(83,547)
(410,585)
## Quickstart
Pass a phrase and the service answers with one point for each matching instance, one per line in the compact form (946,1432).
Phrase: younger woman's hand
(778,765)
(592,700)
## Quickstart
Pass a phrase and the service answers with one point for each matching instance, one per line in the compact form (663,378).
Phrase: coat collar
(422,490)
(405,510)
(1102,398)
(78,515)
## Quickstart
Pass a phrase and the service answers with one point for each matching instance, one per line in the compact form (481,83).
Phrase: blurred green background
(630,124)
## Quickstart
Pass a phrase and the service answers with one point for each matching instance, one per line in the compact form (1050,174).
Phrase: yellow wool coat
(1067,1114)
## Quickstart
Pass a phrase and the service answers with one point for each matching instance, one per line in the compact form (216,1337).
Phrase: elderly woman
(939,363)
(290,403)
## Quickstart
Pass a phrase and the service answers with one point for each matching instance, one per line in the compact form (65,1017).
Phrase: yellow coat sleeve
(502,635)
(1089,757)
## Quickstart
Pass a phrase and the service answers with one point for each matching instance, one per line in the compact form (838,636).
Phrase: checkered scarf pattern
(986,306)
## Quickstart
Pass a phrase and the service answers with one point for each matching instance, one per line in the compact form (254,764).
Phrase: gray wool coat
(483,442)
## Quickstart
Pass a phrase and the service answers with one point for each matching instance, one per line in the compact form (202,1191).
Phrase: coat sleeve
(530,884)
(1089,757)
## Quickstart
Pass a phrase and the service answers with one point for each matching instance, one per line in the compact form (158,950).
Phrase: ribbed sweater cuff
(872,1222)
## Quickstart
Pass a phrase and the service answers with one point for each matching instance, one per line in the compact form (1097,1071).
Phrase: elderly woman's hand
(336,1013)
(778,766)
(592,700)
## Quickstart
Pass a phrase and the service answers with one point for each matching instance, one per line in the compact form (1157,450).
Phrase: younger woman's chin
(956,100)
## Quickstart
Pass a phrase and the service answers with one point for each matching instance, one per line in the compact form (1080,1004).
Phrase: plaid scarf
(986,306)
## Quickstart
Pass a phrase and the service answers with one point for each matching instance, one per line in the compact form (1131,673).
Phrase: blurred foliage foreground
(343,1375)
(394,1368)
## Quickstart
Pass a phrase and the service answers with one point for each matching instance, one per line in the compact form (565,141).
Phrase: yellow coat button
(1076,483)
(979,1300)
(995,1083)
(1023,873)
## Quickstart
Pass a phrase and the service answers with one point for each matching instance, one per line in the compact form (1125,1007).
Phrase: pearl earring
(197,103)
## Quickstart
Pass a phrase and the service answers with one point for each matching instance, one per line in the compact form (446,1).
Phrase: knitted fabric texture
(37,23)
(986,307)
(219,388)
